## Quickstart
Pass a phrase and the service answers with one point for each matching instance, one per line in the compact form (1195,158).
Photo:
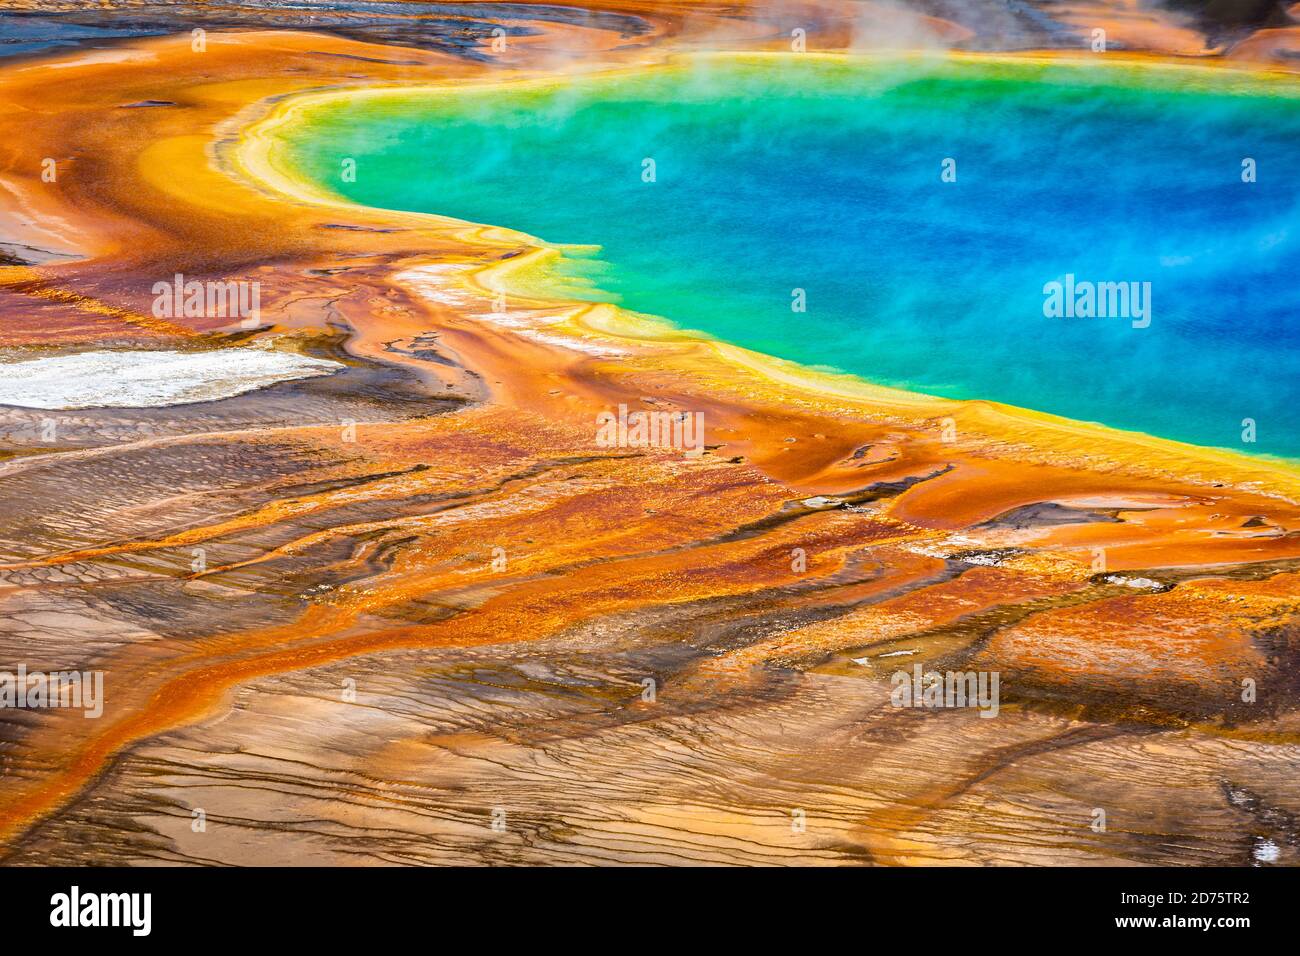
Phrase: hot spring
(902,220)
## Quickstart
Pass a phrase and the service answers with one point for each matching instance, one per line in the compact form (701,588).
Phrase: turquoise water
(807,173)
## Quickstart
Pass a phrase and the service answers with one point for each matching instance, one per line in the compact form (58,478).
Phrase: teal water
(815,174)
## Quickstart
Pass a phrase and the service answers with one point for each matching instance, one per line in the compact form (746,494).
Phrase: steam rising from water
(726,192)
